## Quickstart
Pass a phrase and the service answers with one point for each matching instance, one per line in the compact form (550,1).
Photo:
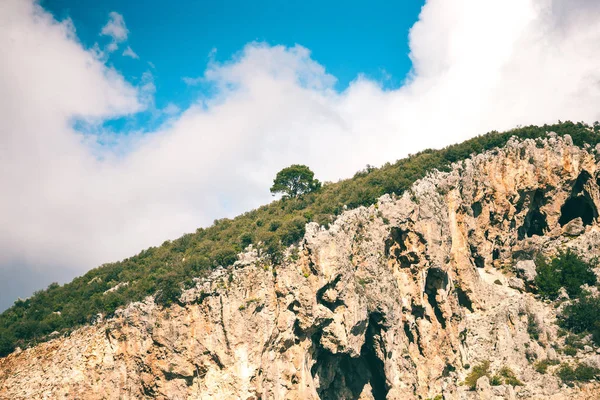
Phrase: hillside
(478,282)
(167,269)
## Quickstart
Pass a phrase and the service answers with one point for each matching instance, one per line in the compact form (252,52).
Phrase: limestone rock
(516,283)
(484,389)
(366,310)
(574,227)
(562,294)
(526,270)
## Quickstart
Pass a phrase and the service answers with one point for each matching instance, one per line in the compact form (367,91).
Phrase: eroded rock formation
(393,301)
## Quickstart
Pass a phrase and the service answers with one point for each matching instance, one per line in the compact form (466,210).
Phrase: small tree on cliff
(294,181)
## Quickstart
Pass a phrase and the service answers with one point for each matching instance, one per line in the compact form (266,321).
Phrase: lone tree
(294,181)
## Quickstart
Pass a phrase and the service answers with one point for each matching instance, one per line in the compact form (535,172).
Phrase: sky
(124,124)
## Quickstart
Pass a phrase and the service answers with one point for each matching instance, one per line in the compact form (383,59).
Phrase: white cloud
(192,81)
(116,29)
(130,53)
(171,109)
(68,201)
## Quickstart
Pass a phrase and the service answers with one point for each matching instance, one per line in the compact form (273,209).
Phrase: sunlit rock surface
(393,301)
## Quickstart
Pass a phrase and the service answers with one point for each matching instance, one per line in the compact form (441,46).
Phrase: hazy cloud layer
(72,202)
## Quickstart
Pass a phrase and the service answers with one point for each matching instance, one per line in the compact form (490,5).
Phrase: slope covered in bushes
(164,269)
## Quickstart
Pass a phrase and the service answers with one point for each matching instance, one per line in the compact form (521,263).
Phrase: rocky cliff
(399,300)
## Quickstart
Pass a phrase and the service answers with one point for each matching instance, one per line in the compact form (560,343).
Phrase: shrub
(482,369)
(507,376)
(566,270)
(583,316)
(581,373)
(574,341)
(6,343)
(533,327)
(293,231)
(169,290)
(570,351)
(225,257)
(496,380)
(542,365)
(245,239)
(274,250)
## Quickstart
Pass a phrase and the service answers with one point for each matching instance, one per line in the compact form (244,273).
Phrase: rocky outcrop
(399,301)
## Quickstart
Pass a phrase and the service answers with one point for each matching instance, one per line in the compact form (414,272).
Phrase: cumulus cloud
(69,200)
(115,28)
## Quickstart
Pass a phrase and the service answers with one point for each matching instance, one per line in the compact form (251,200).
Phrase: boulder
(526,270)
(574,227)
(517,284)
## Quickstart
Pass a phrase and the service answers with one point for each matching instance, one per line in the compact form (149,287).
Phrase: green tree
(294,181)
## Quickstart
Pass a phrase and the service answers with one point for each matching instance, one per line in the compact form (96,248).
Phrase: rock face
(397,301)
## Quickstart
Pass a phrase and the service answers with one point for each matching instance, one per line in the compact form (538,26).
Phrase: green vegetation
(164,270)
(505,376)
(533,327)
(542,365)
(481,369)
(569,351)
(582,316)
(294,181)
(566,270)
(581,373)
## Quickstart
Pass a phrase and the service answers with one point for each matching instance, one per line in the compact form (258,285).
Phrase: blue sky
(104,155)
(347,37)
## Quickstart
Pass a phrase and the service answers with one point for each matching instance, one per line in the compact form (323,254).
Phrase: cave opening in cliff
(436,279)
(578,207)
(535,221)
(342,376)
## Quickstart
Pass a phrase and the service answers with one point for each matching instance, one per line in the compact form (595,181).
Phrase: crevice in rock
(332,305)
(311,263)
(189,379)
(436,279)
(222,322)
(408,333)
(148,391)
(293,306)
(447,370)
(535,220)
(495,254)
(478,260)
(341,376)
(463,299)
(396,246)
(417,311)
(477,208)
(411,337)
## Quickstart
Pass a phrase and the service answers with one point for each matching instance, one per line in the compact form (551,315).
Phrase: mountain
(463,284)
